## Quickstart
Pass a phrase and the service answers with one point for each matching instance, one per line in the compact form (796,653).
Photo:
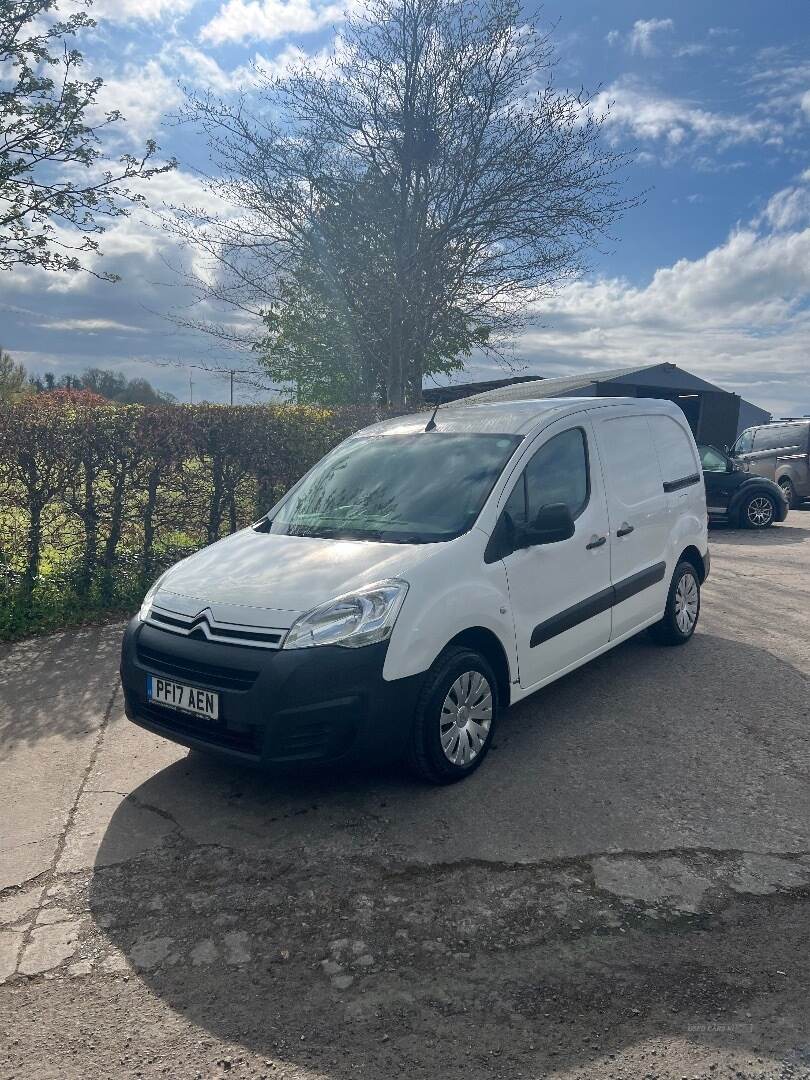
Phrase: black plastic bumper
(275,706)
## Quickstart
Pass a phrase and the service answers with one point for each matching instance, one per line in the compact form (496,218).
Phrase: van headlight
(354,619)
(146,605)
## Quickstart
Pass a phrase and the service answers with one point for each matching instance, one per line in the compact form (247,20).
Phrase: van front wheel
(682,610)
(455,717)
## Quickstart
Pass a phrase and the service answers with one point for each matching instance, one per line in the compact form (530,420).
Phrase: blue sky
(712,272)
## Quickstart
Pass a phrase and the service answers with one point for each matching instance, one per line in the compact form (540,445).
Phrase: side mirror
(553,523)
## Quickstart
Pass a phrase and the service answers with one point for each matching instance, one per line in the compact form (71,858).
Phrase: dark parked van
(780,452)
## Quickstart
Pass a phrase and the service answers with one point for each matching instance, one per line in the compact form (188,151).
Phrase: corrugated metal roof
(549,388)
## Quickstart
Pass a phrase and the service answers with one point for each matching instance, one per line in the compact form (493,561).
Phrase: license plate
(185,698)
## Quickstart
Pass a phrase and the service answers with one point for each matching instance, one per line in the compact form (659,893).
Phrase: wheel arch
(489,645)
(691,555)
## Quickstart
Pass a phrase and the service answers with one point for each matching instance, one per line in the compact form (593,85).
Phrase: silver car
(780,452)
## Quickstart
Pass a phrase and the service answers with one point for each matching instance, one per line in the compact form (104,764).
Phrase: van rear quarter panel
(679,457)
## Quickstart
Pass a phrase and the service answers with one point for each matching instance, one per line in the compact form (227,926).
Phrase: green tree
(14,382)
(327,333)
(117,387)
(56,186)
(472,186)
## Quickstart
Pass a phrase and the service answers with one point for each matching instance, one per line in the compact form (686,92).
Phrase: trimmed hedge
(95,500)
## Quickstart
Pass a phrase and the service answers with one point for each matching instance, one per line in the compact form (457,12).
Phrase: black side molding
(685,481)
(596,604)
(573,616)
(637,583)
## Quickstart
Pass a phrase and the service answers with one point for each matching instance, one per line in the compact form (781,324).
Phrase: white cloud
(805,103)
(269,20)
(694,48)
(203,70)
(68,322)
(641,113)
(143,94)
(739,316)
(88,326)
(643,34)
(789,208)
(145,10)
(291,57)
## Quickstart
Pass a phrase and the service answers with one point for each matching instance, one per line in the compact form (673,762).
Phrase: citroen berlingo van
(425,575)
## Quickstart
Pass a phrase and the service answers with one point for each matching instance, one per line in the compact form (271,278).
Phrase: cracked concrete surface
(623,890)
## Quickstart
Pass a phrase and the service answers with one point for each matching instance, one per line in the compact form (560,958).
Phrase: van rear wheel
(683,608)
(455,717)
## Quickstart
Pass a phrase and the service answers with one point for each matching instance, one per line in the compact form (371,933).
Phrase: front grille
(244,740)
(212,676)
(206,627)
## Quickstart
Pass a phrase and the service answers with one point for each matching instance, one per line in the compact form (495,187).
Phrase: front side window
(407,489)
(712,460)
(745,442)
(558,473)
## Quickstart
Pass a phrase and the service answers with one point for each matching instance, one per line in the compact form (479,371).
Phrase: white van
(423,576)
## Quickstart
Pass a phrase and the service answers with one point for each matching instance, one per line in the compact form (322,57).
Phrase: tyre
(789,491)
(758,512)
(683,608)
(455,717)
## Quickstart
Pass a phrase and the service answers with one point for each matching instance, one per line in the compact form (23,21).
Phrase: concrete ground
(623,891)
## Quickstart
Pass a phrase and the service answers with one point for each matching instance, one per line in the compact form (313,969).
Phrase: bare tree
(473,185)
(51,162)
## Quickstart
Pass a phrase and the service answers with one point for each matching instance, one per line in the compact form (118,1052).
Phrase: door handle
(596,542)
(624,529)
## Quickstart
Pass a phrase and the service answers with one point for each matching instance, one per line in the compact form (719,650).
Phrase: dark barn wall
(750,415)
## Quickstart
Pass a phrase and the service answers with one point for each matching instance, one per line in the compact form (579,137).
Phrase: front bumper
(324,704)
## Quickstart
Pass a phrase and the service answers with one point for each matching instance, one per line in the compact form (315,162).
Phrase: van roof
(507,417)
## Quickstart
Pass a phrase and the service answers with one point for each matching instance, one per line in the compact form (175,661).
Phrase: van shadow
(344,922)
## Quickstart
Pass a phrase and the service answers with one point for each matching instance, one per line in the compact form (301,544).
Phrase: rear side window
(781,437)
(558,473)
(627,447)
(769,438)
(674,448)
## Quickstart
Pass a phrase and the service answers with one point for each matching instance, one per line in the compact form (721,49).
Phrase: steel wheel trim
(760,510)
(466,718)
(687,600)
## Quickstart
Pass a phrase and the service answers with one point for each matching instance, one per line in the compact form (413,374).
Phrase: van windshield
(401,489)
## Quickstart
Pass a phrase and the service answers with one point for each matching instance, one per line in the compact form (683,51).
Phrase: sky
(711,271)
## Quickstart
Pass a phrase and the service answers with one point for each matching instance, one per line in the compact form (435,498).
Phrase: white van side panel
(679,460)
(639,516)
(454,590)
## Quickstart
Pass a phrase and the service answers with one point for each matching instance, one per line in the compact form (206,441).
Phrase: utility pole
(190,389)
(231,386)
